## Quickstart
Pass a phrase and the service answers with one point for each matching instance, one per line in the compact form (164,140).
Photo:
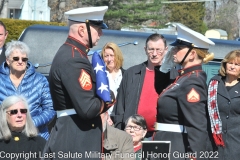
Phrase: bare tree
(238,16)
(226,18)
(1,6)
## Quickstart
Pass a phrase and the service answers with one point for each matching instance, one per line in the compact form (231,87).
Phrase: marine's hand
(107,105)
(167,62)
(113,99)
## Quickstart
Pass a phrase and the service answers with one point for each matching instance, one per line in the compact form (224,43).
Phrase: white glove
(167,62)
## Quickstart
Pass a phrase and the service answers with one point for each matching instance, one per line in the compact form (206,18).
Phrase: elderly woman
(113,58)
(18,76)
(136,126)
(181,109)
(18,134)
(224,89)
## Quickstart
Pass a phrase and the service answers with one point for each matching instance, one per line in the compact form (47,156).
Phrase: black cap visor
(99,24)
(180,42)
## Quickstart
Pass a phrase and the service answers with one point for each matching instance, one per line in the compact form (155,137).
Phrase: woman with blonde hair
(223,106)
(113,58)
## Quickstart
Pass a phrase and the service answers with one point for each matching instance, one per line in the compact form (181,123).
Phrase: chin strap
(189,50)
(89,34)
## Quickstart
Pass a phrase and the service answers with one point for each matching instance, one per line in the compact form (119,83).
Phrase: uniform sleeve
(79,81)
(119,108)
(47,112)
(161,80)
(192,100)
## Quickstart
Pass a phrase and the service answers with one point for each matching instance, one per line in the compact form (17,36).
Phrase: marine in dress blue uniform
(78,129)
(181,111)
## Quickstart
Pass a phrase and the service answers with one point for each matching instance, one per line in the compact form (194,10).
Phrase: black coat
(129,94)
(130,91)
(184,102)
(229,110)
(73,85)
(2,55)
(23,146)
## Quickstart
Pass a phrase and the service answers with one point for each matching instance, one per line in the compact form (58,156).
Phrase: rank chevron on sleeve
(85,80)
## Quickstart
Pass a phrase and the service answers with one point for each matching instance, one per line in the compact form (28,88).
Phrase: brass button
(16,139)
(92,125)
(75,48)
(193,72)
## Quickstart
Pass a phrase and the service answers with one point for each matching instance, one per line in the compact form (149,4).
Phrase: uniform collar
(77,44)
(190,69)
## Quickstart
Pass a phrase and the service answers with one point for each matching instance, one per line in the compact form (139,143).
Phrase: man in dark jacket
(3,37)
(137,93)
(78,129)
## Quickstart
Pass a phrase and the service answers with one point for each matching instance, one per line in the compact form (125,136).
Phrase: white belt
(66,112)
(170,127)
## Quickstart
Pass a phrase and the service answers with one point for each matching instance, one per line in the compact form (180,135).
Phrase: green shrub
(15,27)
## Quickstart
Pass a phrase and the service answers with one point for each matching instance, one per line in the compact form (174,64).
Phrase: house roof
(16,4)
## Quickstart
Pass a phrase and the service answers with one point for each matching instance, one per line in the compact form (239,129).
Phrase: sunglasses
(17,59)
(15,111)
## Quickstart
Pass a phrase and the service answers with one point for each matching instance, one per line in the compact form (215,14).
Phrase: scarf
(215,120)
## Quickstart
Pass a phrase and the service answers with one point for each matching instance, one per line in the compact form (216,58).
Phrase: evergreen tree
(189,14)
(135,14)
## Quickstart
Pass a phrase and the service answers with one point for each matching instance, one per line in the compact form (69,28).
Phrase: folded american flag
(102,83)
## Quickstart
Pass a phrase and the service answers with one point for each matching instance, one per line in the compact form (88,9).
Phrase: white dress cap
(190,36)
(87,13)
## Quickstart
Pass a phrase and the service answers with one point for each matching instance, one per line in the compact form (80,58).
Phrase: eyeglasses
(15,111)
(135,128)
(17,59)
(158,50)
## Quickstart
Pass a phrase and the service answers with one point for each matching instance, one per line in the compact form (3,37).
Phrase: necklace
(231,83)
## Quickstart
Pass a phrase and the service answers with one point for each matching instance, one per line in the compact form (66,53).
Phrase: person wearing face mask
(182,116)
(18,135)
(223,107)
(18,76)
(113,58)
(136,126)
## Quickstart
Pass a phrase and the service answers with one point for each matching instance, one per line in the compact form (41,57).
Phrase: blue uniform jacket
(35,88)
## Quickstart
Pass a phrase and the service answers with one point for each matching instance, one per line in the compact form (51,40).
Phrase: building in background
(216,33)
(25,9)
